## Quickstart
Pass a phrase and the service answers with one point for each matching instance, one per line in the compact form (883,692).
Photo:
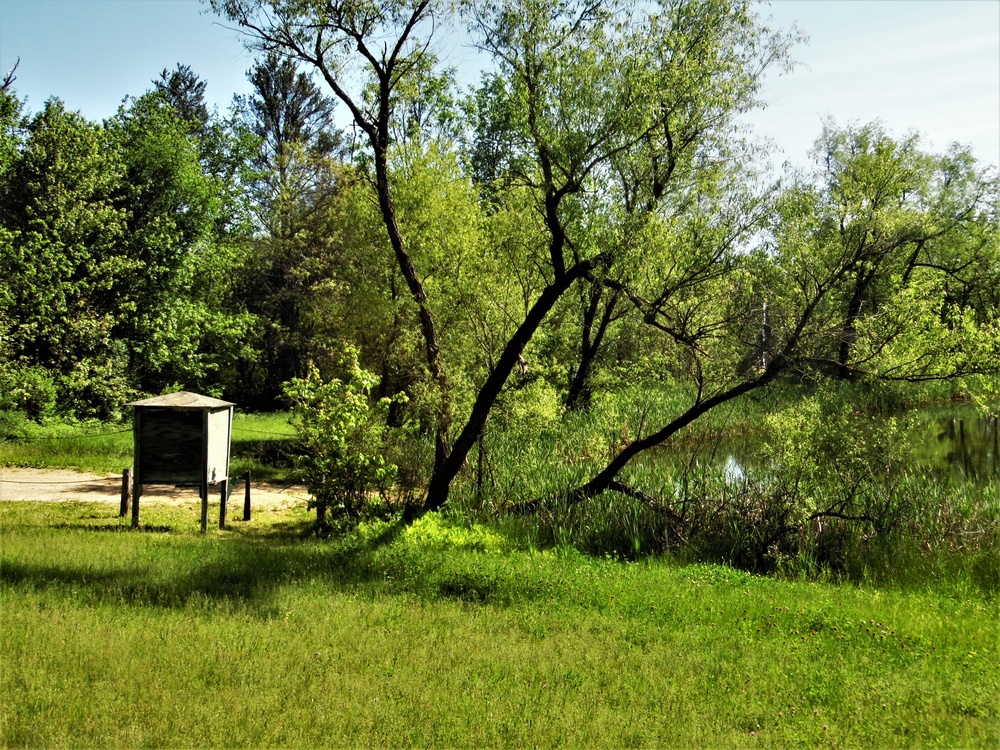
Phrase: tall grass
(451,634)
(756,517)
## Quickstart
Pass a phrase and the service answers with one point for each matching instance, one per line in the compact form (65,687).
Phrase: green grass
(444,634)
(261,443)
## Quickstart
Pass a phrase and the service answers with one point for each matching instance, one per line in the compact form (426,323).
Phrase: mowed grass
(261,443)
(443,634)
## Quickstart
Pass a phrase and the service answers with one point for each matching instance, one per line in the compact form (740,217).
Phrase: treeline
(152,251)
(591,219)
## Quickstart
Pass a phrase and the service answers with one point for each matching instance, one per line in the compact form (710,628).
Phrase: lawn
(449,634)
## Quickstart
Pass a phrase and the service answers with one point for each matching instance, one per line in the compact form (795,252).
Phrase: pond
(962,445)
(954,442)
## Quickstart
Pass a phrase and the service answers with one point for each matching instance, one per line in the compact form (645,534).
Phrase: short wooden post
(126,493)
(246,497)
(222,504)
(204,508)
(137,466)
(135,510)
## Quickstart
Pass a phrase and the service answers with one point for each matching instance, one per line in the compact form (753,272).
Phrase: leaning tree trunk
(443,475)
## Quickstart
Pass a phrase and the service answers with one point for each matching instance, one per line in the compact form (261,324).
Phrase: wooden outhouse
(182,439)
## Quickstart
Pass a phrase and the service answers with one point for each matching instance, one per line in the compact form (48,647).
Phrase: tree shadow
(244,570)
(101,487)
(120,528)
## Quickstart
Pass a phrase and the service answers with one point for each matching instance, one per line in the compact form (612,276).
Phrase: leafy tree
(294,188)
(383,40)
(915,223)
(577,85)
(734,321)
(107,227)
(66,252)
(172,208)
(609,115)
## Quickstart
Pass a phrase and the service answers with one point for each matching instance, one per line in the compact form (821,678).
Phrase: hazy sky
(926,65)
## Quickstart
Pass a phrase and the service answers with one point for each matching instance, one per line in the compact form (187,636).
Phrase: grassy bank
(261,443)
(449,635)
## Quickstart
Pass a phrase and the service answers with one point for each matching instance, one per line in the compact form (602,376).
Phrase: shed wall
(219,423)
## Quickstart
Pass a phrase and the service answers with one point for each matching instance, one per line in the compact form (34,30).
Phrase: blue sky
(926,65)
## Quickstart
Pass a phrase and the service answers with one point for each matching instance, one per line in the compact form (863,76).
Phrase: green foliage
(342,435)
(834,456)
(101,222)
(903,235)
(30,390)
(584,232)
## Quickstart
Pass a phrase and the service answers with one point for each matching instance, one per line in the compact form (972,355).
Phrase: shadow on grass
(116,527)
(246,569)
(242,570)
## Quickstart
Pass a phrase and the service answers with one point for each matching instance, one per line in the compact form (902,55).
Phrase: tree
(610,114)
(66,252)
(915,221)
(109,231)
(287,110)
(843,266)
(382,39)
(294,189)
(343,436)
(578,86)
(185,92)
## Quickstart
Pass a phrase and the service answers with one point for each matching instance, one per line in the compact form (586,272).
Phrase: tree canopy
(589,219)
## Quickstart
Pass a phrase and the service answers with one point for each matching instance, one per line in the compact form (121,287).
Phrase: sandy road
(57,485)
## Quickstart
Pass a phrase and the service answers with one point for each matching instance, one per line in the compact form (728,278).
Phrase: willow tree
(917,222)
(856,273)
(579,87)
(617,119)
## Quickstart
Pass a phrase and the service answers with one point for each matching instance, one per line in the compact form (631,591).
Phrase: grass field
(448,635)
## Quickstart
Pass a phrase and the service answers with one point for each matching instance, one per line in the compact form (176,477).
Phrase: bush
(342,433)
(29,390)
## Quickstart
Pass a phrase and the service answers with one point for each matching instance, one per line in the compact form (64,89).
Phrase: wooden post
(126,493)
(136,465)
(246,497)
(204,471)
(222,504)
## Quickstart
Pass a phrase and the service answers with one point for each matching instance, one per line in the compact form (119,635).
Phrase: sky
(932,66)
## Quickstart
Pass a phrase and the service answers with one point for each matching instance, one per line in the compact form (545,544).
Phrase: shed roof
(183,400)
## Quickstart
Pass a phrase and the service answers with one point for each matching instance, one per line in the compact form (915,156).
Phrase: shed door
(170,446)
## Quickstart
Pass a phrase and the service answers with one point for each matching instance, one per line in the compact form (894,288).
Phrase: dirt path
(58,485)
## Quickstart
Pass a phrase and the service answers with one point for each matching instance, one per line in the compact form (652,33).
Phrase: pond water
(962,445)
(955,443)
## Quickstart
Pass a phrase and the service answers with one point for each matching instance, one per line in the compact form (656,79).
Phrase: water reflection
(734,470)
(952,443)
(962,447)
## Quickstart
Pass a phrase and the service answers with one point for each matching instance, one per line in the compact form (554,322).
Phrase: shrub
(29,390)
(342,432)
